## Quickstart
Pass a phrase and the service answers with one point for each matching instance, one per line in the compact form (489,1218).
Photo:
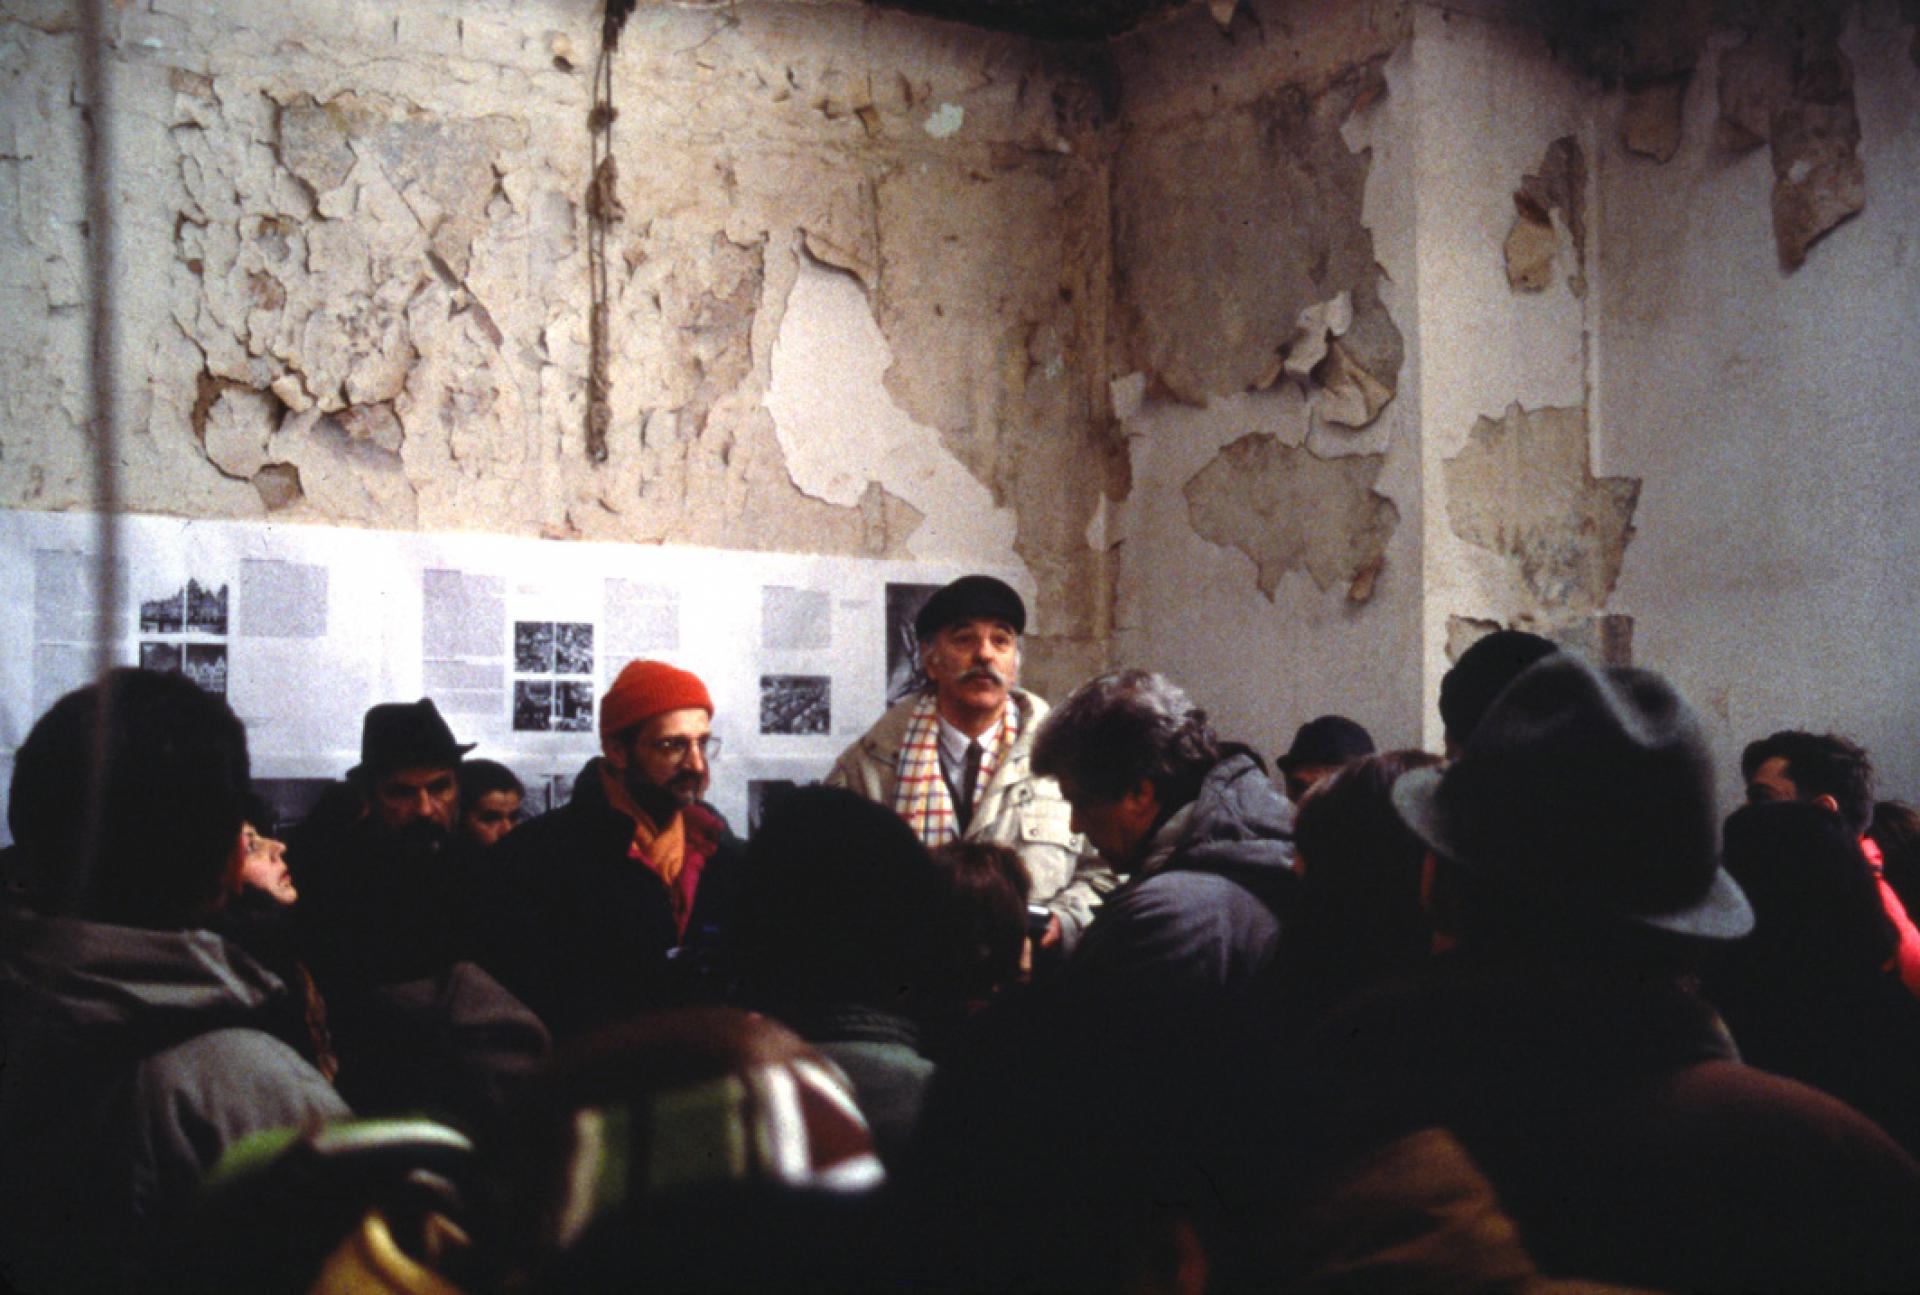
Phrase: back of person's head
(159,846)
(1360,913)
(980,916)
(700,1149)
(837,903)
(1481,674)
(1122,729)
(1817,911)
(1896,830)
(1820,764)
(1579,822)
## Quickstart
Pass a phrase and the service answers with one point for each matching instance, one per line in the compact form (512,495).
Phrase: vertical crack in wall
(1291,510)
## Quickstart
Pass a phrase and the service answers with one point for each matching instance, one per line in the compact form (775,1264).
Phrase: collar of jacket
(705,827)
(882,742)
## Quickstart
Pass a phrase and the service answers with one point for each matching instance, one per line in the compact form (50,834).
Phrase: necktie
(969,783)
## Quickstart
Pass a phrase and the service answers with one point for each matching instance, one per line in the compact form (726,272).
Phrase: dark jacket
(1202,914)
(1620,1131)
(584,934)
(133,1059)
(880,1053)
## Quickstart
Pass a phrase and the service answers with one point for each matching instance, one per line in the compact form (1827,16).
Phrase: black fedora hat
(971,598)
(406,735)
(1587,792)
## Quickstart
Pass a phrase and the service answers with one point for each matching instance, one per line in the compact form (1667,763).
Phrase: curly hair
(1122,729)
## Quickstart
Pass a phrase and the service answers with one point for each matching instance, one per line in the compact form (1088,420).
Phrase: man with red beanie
(613,903)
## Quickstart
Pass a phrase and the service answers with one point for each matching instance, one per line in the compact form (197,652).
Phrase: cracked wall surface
(1524,488)
(1291,510)
(1259,359)
(357,262)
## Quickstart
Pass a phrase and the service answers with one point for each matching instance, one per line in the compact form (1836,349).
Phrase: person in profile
(139,1043)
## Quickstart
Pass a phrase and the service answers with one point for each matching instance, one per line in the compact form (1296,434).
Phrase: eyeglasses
(676,749)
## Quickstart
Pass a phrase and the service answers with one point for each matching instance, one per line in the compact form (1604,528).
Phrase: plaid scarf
(921,795)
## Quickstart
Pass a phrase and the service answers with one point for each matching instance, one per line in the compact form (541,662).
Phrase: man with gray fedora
(1574,883)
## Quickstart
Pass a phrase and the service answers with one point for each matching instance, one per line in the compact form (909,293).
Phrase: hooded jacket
(133,1059)
(1201,915)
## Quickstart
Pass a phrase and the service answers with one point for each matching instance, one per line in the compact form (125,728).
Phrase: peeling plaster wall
(1484,104)
(1269,549)
(1771,417)
(355,264)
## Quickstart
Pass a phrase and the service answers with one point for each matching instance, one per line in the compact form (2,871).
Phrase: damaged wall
(355,289)
(1770,411)
(1269,549)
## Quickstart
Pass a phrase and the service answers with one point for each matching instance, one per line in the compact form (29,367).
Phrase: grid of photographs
(553,677)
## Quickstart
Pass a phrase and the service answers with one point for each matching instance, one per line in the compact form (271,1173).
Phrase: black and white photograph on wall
(164,615)
(572,706)
(206,665)
(547,794)
(904,676)
(161,656)
(533,705)
(763,794)
(206,608)
(533,647)
(796,705)
(572,648)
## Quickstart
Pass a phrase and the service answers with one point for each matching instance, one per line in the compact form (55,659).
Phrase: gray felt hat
(1589,792)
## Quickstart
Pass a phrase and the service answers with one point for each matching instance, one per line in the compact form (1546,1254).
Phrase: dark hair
(1820,764)
(980,902)
(479,777)
(1816,906)
(1468,690)
(837,904)
(1120,730)
(1360,916)
(172,796)
(1896,830)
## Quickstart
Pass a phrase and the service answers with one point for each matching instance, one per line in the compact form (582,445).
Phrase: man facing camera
(954,761)
(615,901)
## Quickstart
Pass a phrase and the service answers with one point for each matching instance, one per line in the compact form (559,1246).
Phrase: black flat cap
(967,599)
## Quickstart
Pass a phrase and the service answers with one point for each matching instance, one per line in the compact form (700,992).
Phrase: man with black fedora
(1574,884)
(390,905)
(954,761)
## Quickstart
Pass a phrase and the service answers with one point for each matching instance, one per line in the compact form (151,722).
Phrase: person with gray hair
(1194,826)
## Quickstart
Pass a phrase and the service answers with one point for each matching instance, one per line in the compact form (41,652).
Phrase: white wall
(1775,420)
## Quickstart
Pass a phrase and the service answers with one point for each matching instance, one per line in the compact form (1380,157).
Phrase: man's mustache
(984,672)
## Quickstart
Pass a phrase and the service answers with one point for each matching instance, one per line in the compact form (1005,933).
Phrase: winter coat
(1620,1131)
(584,934)
(133,1059)
(1202,915)
(1016,808)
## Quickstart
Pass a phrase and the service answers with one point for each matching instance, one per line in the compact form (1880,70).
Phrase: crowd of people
(1018,998)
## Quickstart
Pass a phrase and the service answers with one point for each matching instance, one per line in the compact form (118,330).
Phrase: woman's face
(265,866)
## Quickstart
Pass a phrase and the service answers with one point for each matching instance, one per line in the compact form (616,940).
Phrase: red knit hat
(648,688)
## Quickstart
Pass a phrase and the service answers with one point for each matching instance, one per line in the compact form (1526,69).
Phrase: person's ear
(1827,802)
(614,748)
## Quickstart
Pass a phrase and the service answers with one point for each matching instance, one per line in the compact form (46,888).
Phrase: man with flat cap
(954,761)
(615,902)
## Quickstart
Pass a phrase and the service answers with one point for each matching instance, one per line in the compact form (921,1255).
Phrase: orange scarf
(663,849)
